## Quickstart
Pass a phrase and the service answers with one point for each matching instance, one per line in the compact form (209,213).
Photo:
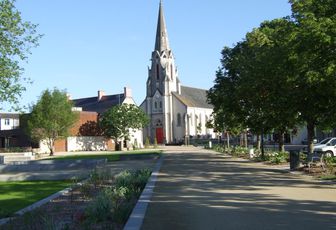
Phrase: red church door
(159,135)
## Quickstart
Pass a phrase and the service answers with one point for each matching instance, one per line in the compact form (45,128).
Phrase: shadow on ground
(206,191)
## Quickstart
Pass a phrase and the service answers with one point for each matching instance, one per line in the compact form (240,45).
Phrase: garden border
(138,214)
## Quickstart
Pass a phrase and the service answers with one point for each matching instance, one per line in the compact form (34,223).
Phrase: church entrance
(159,135)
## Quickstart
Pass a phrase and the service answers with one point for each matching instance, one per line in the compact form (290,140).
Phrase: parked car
(305,142)
(326,147)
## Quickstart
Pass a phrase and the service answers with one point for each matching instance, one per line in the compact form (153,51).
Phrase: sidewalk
(198,189)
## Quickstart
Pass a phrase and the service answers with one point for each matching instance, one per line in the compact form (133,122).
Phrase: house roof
(193,97)
(92,103)
(9,115)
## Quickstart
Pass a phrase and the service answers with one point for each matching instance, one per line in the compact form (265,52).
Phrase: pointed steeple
(161,42)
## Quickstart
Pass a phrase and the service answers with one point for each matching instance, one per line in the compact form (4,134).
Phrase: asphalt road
(198,189)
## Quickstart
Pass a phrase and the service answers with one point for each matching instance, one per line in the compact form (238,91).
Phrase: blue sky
(107,44)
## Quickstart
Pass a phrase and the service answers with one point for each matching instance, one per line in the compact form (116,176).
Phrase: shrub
(155,143)
(147,143)
(122,206)
(116,202)
(135,181)
(85,189)
(239,151)
(330,163)
(101,207)
(135,145)
(279,157)
(219,148)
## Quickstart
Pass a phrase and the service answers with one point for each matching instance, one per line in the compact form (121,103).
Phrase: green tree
(120,120)
(315,45)
(17,37)
(252,89)
(51,118)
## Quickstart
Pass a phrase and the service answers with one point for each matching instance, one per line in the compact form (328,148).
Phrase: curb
(138,214)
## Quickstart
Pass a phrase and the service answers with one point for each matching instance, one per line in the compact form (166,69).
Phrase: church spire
(161,42)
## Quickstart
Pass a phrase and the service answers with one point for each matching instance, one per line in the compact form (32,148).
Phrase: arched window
(155,105)
(157,72)
(178,119)
(171,71)
(160,105)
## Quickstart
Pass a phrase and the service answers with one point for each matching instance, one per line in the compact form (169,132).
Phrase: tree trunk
(262,145)
(116,145)
(281,141)
(310,137)
(51,151)
(228,139)
(258,142)
(245,139)
(50,144)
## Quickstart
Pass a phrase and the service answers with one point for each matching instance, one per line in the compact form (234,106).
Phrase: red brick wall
(60,145)
(86,120)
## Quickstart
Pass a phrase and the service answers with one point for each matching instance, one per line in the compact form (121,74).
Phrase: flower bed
(101,202)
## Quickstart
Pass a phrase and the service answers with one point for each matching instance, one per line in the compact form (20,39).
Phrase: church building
(176,112)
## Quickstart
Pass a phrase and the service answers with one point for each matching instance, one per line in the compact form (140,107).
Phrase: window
(171,71)
(155,105)
(160,105)
(333,142)
(7,121)
(178,120)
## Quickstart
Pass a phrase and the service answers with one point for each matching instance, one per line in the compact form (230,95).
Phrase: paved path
(78,172)
(198,189)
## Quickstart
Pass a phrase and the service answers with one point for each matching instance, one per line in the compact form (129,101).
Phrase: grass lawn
(328,177)
(110,156)
(15,195)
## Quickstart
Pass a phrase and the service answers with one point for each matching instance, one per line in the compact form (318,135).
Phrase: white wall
(201,114)
(86,144)
(299,136)
(14,123)
(179,132)
(138,137)
(79,144)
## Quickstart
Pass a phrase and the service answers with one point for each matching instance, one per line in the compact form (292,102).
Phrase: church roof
(161,39)
(193,97)
(99,106)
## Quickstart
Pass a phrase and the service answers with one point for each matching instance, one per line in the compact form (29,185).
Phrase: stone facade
(176,112)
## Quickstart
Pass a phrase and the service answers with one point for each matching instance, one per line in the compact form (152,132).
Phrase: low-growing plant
(134,180)
(239,151)
(85,189)
(279,157)
(219,148)
(38,220)
(330,163)
(101,207)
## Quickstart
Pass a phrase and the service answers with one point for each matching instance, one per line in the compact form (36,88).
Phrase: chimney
(101,94)
(127,92)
